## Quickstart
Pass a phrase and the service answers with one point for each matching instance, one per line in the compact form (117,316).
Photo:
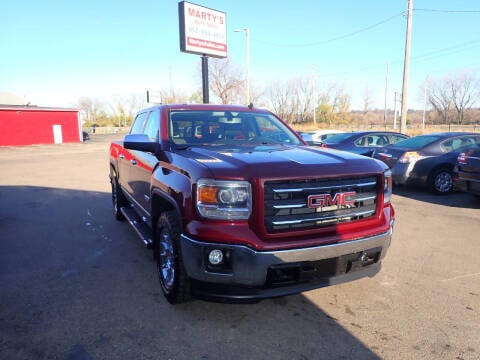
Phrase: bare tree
(439,96)
(464,88)
(325,110)
(172,97)
(302,99)
(343,104)
(334,104)
(453,94)
(367,99)
(226,81)
(278,96)
(92,110)
(124,109)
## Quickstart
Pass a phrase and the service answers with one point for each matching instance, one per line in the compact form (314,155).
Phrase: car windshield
(189,128)
(417,142)
(338,138)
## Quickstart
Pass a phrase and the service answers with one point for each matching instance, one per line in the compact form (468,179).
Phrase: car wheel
(441,181)
(171,272)
(118,199)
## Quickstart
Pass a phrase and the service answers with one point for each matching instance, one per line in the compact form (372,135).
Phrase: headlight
(228,200)
(387,186)
(410,157)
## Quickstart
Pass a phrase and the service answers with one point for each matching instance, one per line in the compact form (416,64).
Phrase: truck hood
(280,161)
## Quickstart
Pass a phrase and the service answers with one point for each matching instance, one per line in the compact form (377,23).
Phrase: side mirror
(140,142)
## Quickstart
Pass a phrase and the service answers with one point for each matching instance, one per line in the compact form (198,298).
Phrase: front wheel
(171,273)
(441,181)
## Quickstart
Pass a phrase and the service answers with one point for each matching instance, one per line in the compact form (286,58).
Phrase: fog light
(215,257)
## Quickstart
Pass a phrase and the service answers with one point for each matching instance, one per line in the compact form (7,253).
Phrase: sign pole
(206,99)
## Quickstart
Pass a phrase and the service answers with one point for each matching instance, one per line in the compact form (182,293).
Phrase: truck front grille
(315,203)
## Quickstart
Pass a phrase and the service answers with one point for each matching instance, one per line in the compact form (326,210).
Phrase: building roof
(34,108)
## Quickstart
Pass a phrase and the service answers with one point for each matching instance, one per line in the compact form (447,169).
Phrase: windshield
(191,127)
(417,142)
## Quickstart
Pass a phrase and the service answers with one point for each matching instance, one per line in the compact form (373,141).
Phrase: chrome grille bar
(279,191)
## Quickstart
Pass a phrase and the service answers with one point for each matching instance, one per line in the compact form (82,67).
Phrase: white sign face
(202,30)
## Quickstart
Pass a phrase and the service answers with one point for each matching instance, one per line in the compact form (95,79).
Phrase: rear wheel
(171,273)
(441,181)
(118,199)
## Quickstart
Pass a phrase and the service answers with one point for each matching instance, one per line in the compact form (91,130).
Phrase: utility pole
(424,103)
(386,91)
(247,36)
(314,96)
(406,64)
(247,48)
(395,111)
(205,89)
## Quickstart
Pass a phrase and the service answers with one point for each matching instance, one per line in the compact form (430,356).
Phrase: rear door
(125,158)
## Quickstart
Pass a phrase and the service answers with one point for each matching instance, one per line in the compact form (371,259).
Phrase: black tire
(441,181)
(171,272)
(118,199)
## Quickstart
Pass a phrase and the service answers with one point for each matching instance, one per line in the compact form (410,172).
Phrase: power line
(448,11)
(415,59)
(341,37)
(447,51)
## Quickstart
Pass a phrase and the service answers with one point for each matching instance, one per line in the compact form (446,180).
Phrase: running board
(142,229)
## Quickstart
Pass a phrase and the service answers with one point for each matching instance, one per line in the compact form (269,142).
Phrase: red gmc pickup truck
(236,207)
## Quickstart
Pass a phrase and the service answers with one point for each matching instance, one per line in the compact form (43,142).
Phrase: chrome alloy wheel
(166,265)
(115,196)
(443,182)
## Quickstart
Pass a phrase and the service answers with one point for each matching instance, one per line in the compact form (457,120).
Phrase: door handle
(121,156)
(133,162)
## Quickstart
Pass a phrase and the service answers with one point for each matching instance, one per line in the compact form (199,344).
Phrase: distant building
(28,125)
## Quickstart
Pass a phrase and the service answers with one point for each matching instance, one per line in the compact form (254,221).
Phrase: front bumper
(255,275)
(406,173)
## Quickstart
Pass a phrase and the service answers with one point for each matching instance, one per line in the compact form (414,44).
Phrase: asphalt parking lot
(77,284)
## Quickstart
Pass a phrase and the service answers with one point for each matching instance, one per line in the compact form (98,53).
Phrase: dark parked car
(427,160)
(467,171)
(363,142)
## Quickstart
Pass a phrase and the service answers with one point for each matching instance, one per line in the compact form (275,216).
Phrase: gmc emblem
(324,200)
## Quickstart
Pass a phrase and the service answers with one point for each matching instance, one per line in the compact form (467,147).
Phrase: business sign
(203,31)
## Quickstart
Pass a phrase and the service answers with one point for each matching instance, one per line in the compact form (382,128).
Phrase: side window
(468,141)
(376,140)
(139,123)
(382,140)
(447,145)
(451,144)
(395,138)
(456,143)
(363,141)
(153,125)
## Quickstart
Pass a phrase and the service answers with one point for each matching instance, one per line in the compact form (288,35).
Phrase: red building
(28,125)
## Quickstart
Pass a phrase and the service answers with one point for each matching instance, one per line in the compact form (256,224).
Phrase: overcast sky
(55,51)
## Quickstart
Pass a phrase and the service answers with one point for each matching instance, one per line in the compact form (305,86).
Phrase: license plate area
(288,274)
